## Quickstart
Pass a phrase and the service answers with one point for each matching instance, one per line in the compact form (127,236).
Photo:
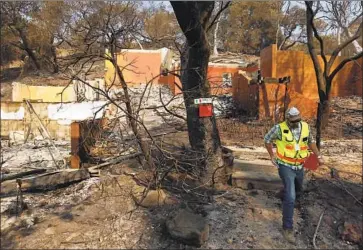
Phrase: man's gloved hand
(274,162)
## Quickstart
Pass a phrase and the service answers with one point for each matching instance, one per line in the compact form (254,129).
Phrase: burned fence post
(260,81)
(83,137)
(75,144)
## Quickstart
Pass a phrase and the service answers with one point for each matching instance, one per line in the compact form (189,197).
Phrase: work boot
(289,235)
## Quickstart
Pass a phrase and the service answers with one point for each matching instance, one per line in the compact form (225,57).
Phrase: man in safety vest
(293,140)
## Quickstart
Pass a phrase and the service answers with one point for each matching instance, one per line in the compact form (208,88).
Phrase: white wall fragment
(64,122)
(18,115)
(67,112)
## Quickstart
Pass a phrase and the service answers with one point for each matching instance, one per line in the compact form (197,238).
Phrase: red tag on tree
(205,110)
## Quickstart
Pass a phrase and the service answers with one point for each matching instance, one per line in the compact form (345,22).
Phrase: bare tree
(292,20)
(325,73)
(280,5)
(100,25)
(345,17)
(194,20)
(218,14)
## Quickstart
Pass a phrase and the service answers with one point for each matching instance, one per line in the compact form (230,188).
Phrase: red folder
(311,162)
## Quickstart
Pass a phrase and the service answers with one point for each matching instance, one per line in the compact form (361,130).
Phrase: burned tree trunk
(322,117)
(203,133)
(130,114)
(323,106)
(323,111)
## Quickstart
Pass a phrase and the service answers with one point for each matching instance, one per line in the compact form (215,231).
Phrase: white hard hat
(293,111)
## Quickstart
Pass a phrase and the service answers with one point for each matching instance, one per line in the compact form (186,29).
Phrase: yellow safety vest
(288,149)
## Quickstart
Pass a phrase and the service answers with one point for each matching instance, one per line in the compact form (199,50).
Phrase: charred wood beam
(45,181)
(22,174)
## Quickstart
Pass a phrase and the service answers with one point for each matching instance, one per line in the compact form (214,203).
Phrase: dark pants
(293,183)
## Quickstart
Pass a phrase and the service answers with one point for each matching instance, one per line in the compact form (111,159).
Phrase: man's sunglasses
(294,122)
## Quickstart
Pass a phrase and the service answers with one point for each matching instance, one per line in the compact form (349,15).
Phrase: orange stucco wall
(137,67)
(215,78)
(245,96)
(268,61)
(302,90)
(171,80)
(142,66)
(215,74)
(356,74)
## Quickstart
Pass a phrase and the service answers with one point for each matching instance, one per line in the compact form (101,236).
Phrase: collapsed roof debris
(242,60)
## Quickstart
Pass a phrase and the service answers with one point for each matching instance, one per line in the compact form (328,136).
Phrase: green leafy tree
(16,18)
(252,26)
(161,28)
(33,27)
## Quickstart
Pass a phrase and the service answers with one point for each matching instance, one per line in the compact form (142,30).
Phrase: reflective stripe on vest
(286,147)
